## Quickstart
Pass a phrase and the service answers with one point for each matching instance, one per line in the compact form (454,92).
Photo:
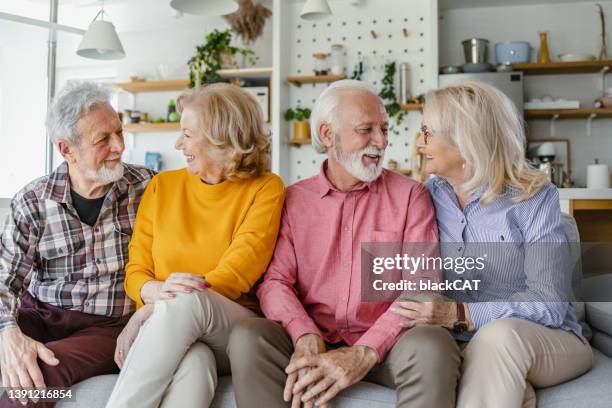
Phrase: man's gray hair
(326,106)
(70,104)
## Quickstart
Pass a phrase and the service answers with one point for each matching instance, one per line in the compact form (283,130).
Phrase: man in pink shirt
(321,337)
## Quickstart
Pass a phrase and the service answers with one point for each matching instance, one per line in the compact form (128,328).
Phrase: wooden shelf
(180,84)
(410,107)
(153,86)
(558,68)
(299,142)
(568,113)
(152,127)
(246,73)
(314,79)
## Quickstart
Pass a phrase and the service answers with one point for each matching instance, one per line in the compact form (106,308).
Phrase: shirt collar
(507,191)
(325,186)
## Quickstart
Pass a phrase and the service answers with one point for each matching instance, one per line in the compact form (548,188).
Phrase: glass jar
(321,63)
(337,59)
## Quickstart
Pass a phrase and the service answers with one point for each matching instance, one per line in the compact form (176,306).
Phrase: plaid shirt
(46,249)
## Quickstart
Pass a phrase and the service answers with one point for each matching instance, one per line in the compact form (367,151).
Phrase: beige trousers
(175,358)
(423,366)
(508,357)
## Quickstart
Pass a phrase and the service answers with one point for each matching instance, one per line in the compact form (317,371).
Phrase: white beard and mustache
(352,163)
(105,175)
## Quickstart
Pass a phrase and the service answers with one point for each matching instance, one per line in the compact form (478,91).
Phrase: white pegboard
(352,26)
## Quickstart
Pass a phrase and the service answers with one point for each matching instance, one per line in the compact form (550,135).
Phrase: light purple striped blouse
(519,278)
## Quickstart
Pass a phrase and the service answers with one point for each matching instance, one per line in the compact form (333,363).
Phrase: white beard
(105,175)
(354,166)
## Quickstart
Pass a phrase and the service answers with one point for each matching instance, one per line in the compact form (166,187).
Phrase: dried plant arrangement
(248,22)
(603,53)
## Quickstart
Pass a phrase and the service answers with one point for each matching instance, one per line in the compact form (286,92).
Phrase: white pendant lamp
(101,40)
(205,7)
(315,10)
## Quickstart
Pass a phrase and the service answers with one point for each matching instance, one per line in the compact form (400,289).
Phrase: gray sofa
(591,390)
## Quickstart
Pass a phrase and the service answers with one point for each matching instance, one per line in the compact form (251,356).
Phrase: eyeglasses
(426,134)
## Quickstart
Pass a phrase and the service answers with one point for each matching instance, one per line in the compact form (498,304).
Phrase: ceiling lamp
(101,40)
(205,7)
(315,10)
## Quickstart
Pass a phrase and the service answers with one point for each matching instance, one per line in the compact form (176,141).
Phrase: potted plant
(301,126)
(216,53)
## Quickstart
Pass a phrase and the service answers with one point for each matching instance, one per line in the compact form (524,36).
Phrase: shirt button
(87,304)
(459,249)
(98,261)
(463,221)
(97,229)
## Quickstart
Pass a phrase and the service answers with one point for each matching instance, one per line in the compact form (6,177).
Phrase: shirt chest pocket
(53,247)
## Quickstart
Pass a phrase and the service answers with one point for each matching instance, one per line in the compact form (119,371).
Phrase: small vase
(301,130)
(544,54)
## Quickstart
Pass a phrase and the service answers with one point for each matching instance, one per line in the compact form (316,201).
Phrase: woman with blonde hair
(519,328)
(203,236)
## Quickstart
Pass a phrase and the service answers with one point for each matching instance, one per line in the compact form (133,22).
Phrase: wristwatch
(461,325)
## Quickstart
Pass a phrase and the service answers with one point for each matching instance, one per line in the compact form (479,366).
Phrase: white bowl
(576,57)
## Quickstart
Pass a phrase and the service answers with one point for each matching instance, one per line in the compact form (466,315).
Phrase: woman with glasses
(518,330)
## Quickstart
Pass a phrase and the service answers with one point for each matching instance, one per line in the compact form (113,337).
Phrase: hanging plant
(249,21)
(213,55)
(390,98)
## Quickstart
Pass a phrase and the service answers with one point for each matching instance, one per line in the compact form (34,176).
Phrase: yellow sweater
(226,232)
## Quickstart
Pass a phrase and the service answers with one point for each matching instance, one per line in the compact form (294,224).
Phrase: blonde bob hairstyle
(486,127)
(232,122)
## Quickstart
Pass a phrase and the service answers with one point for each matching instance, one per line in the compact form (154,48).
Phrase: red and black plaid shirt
(46,249)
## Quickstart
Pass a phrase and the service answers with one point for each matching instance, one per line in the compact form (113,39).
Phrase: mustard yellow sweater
(226,232)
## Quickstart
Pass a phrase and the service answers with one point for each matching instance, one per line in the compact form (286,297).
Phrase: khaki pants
(423,366)
(175,358)
(508,357)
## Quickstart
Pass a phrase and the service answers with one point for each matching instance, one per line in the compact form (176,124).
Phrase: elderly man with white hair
(321,336)
(64,248)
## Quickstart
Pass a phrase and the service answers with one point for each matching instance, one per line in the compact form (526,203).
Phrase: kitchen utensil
(475,50)
(481,67)
(450,69)
(512,52)
(576,57)
(598,175)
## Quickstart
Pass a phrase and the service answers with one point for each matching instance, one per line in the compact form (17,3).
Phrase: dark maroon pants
(83,343)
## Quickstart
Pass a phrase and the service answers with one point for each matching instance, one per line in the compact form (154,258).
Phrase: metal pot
(475,50)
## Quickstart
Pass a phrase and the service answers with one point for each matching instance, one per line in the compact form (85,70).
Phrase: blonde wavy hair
(232,121)
(486,127)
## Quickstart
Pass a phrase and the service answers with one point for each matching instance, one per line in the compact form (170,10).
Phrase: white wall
(572,27)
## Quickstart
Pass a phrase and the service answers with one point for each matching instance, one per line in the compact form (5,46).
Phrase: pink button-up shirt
(313,283)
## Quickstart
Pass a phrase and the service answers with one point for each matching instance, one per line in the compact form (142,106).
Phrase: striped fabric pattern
(524,277)
(47,250)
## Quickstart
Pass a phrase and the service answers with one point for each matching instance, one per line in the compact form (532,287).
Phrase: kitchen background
(425,34)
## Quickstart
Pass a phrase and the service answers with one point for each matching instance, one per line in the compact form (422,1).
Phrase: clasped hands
(314,372)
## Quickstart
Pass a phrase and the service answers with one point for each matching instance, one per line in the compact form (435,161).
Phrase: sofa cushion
(599,316)
(94,392)
(591,390)
(602,342)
